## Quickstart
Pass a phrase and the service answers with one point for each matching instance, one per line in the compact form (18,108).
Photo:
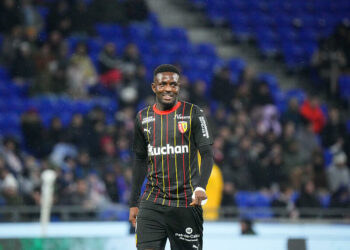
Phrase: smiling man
(167,138)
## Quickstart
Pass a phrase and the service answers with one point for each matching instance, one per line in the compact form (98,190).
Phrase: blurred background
(273,77)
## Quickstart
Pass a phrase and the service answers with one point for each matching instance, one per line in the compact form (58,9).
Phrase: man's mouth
(167,97)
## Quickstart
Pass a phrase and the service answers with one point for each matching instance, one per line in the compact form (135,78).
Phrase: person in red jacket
(311,111)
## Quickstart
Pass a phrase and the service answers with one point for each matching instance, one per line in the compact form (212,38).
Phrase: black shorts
(182,226)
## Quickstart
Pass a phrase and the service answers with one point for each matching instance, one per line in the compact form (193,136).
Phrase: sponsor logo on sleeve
(204,127)
(147,119)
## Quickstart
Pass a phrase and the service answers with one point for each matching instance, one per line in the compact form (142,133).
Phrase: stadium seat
(344,86)
(109,31)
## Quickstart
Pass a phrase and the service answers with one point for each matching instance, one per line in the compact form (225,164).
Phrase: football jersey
(171,139)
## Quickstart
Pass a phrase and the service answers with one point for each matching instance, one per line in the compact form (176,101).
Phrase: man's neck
(164,107)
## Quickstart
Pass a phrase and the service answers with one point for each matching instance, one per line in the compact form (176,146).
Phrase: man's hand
(132,215)
(199,197)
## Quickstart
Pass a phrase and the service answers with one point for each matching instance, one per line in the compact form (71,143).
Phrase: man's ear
(153,86)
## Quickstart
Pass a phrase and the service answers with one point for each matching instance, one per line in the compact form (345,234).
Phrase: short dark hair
(166,68)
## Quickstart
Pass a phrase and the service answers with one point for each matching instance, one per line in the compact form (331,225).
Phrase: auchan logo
(167,150)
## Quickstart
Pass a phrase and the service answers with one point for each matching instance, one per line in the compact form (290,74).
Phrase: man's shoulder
(144,110)
(195,107)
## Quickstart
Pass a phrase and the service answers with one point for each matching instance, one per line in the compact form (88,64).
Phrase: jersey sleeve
(201,130)
(139,143)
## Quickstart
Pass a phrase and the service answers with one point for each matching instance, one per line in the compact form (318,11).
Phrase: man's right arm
(139,171)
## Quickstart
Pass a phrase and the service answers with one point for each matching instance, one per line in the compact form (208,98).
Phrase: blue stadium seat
(94,45)
(325,200)
(109,31)
(138,32)
(82,107)
(297,93)
(43,11)
(344,86)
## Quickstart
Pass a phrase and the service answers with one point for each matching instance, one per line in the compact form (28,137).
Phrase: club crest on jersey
(182,126)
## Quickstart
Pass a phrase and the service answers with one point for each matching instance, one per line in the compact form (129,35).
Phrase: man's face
(166,87)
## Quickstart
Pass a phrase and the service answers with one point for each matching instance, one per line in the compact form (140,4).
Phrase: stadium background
(272,76)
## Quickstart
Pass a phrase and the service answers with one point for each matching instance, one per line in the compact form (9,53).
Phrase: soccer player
(168,136)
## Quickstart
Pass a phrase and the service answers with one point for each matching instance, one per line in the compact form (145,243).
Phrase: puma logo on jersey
(147,130)
(166,150)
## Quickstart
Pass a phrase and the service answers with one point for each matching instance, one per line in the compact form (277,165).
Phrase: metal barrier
(80,213)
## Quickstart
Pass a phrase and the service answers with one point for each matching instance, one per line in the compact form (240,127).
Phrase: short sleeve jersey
(171,140)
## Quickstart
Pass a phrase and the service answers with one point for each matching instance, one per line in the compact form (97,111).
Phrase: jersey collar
(165,112)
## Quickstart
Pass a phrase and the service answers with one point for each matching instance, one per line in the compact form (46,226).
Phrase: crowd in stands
(258,146)
(331,61)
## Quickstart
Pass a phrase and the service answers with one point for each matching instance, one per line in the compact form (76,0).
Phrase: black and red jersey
(171,139)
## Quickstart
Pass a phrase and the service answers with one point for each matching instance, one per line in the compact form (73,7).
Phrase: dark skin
(166,87)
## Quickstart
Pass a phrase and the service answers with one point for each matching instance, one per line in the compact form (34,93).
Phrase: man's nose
(167,87)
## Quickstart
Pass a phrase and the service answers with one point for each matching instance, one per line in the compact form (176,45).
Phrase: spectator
(106,11)
(223,88)
(338,173)
(307,139)
(292,114)
(56,131)
(247,227)
(307,199)
(33,133)
(318,169)
(238,168)
(293,163)
(77,131)
(341,199)
(31,18)
(283,202)
(22,68)
(109,66)
(11,154)
(60,17)
(9,188)
(43,61)
(269,121)
(312,112)
(334,130)
(11,44)
(110,180)
(261,94)
(131,57)
(198,93)
(228,195)
(81,72)
(137,10)
(243,97)
(9,16)
(145,92)
(81,19)
(79,195)
(328,62)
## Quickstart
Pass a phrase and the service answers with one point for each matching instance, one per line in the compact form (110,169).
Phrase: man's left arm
(203,140)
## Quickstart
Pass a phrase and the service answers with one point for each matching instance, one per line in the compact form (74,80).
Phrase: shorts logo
(182,126)
(189,230)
